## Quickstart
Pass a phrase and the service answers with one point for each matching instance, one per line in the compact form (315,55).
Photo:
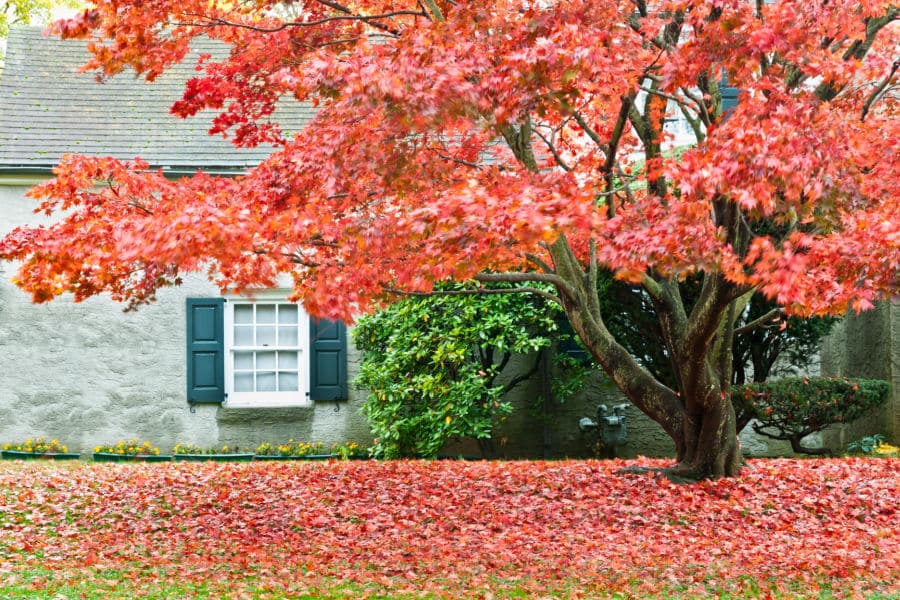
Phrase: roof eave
(19,175)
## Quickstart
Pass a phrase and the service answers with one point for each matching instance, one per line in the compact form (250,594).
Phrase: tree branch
(479,292)
(434,10)
(702,111)
(876,93)
(539,262)
(613,146)
(552,148)
(348,15)
(457,160)
(628,193)
(858,49)
(759,322)
(595,137)
(551,278)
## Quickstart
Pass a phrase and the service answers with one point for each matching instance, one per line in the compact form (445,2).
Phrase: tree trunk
(711,446)
(700,418)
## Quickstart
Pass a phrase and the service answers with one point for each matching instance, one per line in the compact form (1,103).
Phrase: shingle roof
(48,108)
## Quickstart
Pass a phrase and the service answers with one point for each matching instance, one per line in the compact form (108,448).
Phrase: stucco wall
(88,373)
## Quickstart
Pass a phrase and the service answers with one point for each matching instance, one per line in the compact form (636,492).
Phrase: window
(262,352)
(266,353)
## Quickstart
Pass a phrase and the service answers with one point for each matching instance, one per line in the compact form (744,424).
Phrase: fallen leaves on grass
(458,528)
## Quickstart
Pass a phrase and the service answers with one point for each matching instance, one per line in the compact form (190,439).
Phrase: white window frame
(300,398)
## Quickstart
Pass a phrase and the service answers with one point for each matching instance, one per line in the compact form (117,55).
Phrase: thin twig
(553,151)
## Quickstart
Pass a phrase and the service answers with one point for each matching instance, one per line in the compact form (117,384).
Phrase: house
(193,366)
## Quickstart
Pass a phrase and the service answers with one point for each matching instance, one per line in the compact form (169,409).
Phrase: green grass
(116,584)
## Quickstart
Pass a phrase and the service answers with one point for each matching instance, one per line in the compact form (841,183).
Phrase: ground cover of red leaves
(452,529)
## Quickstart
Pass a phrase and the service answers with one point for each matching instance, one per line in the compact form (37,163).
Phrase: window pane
(287,360)
(243,382)
(243,335)
(287,382)
(287,336)
(265,360)
(287,314)
(265,382)
(243,313)
(265,335)
(265,313)
(243,361)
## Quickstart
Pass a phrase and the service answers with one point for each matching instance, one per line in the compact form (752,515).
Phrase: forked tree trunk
(700,417)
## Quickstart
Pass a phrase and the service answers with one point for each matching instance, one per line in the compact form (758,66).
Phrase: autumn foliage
(453,529)
(512,141)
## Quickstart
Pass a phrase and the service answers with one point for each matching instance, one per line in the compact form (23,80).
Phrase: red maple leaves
(454,527)
(460,139)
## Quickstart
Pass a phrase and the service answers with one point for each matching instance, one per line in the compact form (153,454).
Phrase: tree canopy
(494,141)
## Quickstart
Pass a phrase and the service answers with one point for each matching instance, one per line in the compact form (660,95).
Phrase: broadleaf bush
(432,365)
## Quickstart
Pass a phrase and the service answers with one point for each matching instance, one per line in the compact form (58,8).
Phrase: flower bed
(38,449)
(292,450)
(129,451)
(193,453)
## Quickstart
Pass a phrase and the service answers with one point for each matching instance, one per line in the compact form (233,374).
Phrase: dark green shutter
(328,360)
(729,97)
(205,350)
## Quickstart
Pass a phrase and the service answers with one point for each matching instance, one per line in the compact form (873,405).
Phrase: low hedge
(792,408)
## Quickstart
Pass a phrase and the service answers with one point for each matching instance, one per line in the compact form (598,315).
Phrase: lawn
(411,529)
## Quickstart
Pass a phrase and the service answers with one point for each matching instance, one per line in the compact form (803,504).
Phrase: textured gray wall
(868,345)
(89,373)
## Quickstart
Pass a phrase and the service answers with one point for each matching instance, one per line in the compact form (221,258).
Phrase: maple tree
(493,140)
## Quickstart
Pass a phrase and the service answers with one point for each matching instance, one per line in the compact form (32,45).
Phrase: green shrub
(431,365)
(873,445)
(790,409)
(866,445)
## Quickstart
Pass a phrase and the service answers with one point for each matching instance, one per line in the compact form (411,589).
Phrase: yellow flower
(886,449)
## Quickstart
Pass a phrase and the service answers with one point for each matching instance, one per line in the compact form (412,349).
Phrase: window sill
(243,404)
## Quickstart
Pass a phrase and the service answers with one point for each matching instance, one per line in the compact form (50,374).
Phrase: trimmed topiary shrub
(791,409)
